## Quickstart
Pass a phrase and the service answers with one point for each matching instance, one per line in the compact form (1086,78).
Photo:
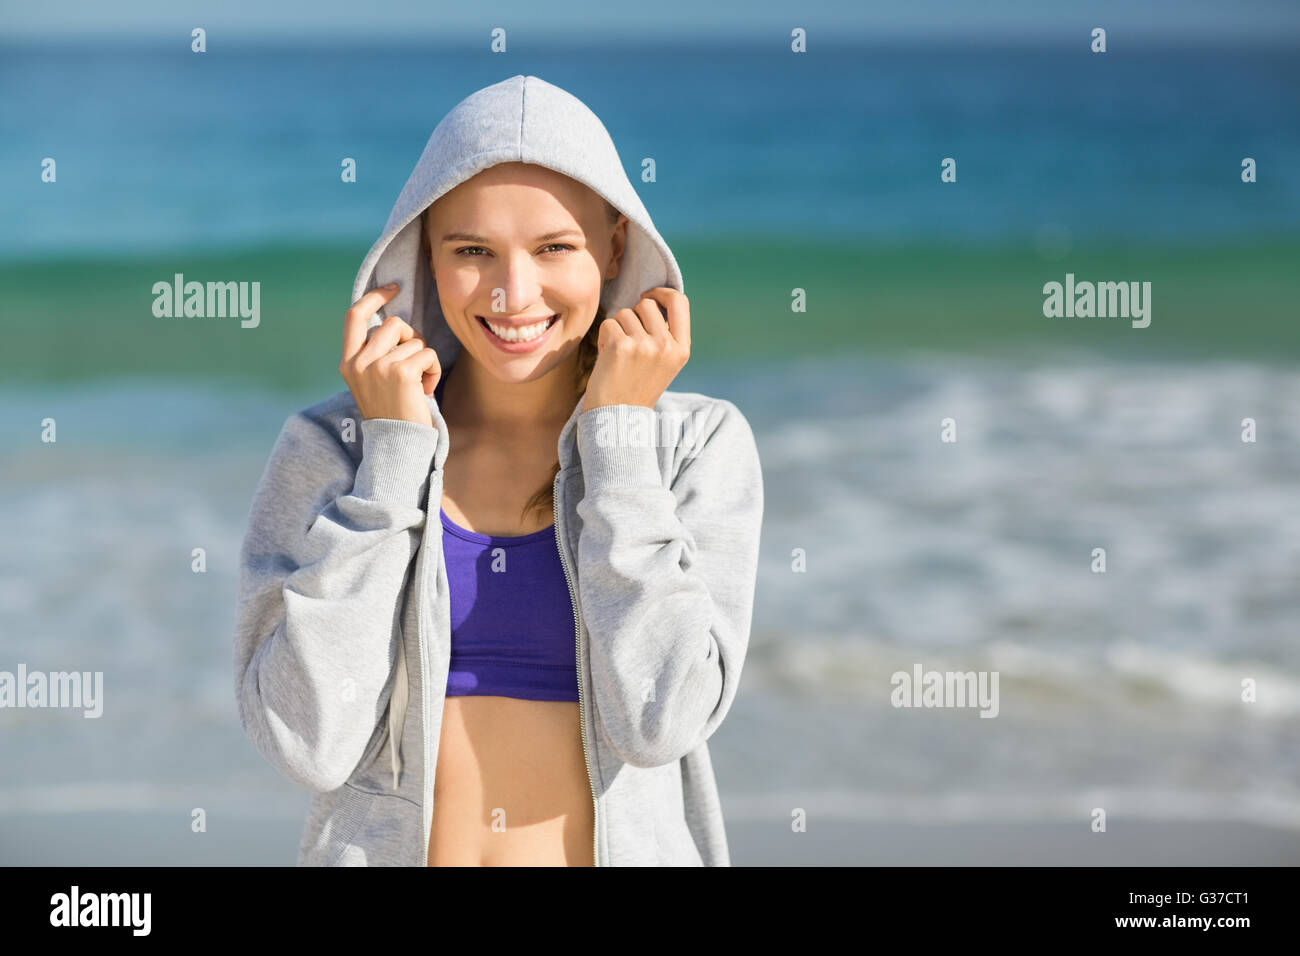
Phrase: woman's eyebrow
(470,237)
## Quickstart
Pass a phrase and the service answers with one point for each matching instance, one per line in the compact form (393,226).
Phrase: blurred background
(775,171)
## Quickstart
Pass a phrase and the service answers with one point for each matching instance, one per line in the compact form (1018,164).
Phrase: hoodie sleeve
(667,578)
(323,571)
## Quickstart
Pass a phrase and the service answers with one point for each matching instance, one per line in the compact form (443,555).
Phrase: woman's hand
(391,373)
(641,350)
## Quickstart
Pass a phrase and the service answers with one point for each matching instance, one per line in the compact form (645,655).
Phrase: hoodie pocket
(374,772)
(346,821)
(377,739)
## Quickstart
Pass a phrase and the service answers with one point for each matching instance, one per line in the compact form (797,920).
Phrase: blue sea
(159,148)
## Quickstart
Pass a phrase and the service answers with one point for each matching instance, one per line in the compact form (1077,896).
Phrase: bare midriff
(511,785)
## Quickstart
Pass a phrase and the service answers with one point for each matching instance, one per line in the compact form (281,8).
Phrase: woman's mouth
(515,337)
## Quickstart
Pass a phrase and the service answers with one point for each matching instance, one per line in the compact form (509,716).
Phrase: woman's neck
(475,399)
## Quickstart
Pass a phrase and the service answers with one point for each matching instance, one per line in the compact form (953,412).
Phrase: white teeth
(525,334)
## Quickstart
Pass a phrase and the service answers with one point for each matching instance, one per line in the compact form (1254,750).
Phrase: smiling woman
(537,627)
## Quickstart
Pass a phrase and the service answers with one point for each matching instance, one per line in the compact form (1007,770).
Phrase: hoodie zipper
(582,697)
(426,819)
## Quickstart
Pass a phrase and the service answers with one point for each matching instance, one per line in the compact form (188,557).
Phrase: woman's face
(526,249)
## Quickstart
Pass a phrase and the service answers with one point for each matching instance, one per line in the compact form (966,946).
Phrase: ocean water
(163,149)
(1119,689)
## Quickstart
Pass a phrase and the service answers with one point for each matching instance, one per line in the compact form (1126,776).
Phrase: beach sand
(135,839)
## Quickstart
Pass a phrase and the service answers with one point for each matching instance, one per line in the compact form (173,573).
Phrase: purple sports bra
(512,626)
(512,621)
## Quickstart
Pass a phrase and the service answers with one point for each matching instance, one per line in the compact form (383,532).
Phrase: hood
(522,119)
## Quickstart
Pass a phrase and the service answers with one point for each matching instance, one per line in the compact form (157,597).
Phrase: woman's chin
(519,367)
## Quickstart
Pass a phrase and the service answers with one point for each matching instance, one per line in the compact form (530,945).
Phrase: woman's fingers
(676,310)
(387,367)
(402,350)
(626,322)
(662,314)
(392,332)
(651,319)
(354,323)
(411,360)
(422,365)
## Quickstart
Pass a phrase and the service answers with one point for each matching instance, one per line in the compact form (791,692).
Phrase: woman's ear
(618,244)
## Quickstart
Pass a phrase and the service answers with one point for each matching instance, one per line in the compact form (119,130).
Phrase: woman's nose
(519,284)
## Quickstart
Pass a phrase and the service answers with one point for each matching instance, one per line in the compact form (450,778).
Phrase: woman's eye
(466,250)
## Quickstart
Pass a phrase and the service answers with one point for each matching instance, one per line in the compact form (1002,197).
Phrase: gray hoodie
(343,636)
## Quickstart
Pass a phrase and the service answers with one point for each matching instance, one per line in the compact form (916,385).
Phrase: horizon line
(1117,39)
